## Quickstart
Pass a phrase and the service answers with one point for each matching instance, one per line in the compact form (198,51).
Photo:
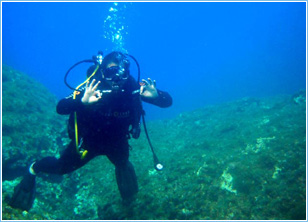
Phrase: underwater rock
(241,160)
(30,123)
(300,97)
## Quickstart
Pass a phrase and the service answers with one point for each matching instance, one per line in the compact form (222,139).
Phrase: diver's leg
(24,193)
(127,181)
(68,162)
(125,173)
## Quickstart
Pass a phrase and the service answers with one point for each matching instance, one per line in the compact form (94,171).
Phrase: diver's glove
(135,131)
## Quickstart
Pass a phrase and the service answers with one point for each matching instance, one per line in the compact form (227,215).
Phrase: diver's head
(115,69)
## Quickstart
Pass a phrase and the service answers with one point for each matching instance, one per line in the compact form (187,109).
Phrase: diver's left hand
(148,89)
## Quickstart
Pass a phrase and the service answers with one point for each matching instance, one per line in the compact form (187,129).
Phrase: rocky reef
(242,160)
(31,128)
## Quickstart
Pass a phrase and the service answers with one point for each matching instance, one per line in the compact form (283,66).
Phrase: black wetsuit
(103,129)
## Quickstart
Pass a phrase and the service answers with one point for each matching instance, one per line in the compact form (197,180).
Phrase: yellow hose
(76,92)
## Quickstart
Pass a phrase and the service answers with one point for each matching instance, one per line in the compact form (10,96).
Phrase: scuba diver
(108,110)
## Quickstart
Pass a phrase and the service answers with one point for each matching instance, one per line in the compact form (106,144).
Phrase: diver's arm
(163,99)
(150,94)
(69,104)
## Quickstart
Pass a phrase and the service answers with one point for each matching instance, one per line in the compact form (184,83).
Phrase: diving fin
(24,193)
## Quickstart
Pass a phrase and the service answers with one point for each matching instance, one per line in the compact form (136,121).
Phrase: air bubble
(114,24)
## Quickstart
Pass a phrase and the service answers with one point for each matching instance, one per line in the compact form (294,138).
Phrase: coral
(227,182)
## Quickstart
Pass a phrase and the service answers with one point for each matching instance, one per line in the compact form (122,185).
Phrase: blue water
(201,53)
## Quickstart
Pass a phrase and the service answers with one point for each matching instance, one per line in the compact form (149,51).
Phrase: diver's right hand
(91,95)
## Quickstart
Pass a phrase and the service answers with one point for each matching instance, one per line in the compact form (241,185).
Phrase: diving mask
(115,72)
